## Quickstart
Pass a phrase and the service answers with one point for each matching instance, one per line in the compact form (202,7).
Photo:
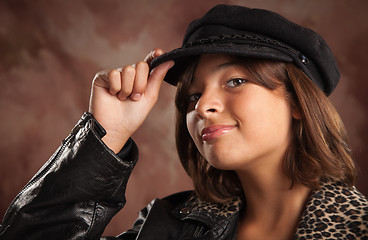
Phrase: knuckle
(113,74)
(141,65)
(129,69)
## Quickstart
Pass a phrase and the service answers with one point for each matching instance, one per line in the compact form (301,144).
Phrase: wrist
(115,141)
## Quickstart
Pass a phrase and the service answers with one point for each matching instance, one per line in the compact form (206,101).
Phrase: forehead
(212,62)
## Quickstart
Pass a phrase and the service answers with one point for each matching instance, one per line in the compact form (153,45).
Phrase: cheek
(191,124)
(263,117)
(276,122)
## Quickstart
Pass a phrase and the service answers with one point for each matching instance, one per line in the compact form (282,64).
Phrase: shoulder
(335,210)
(349,201)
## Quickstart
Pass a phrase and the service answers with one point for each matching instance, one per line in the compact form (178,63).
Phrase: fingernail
(136,96)
(122,98)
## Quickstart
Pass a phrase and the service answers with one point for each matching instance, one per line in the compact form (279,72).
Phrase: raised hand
(122,98)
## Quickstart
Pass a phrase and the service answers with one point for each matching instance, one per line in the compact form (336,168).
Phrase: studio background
(51,49)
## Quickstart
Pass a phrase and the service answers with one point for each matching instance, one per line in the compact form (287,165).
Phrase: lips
(212,132)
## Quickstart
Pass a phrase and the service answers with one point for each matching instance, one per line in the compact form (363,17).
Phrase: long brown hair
(319,150)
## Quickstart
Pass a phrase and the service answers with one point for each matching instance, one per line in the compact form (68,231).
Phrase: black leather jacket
(82,186)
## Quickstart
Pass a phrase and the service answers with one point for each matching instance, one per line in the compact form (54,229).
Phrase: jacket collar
(209,213)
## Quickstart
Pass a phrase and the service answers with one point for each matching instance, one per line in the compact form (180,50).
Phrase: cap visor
(180,55)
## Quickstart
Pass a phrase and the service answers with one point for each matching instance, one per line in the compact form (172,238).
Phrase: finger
(127,81)
(153,54)
(101,79)
(140,81)
(156,77)
(114,81)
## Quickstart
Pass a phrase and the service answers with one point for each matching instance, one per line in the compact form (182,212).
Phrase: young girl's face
(236,124)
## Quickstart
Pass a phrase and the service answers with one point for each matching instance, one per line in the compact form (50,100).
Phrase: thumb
(157,75)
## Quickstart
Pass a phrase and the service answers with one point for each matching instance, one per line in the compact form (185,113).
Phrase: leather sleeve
(76,193)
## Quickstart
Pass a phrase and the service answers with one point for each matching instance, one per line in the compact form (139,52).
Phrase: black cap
(257,33)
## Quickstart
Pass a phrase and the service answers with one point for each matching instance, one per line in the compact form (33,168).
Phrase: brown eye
(236,82)
(194,97)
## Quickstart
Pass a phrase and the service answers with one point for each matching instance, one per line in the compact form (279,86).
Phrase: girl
(265,149)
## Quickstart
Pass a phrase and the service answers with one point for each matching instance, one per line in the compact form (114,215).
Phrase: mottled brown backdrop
(50,50)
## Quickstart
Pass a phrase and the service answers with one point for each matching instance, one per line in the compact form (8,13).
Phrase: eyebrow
(220,67)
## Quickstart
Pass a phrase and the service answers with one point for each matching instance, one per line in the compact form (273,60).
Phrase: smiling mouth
(210,133)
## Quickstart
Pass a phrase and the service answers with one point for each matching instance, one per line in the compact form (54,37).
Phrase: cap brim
(180,55)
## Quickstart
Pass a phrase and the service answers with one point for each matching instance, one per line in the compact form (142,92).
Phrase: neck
(272,202)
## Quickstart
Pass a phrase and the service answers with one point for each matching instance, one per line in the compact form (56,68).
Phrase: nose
(209,104)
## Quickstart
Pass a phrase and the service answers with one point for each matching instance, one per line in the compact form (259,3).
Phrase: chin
(223,160)
(222,165)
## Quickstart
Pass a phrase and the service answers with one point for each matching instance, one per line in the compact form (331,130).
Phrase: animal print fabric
(335,211)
